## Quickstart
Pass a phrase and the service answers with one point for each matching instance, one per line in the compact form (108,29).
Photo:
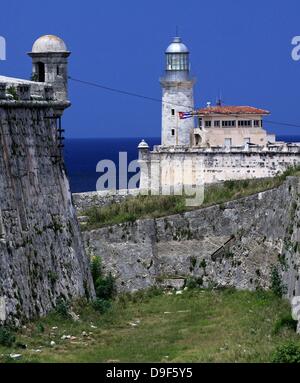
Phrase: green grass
(197,326)
(149,206)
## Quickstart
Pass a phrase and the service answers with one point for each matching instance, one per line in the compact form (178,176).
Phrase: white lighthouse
(177,96)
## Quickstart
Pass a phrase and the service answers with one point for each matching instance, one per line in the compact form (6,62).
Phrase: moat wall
(42,257)
(234,244)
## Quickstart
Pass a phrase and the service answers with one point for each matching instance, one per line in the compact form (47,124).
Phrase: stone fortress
(226,143)
(42,258)
(235,244)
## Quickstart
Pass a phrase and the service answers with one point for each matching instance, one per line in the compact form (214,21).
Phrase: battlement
(279,147)
(13,91)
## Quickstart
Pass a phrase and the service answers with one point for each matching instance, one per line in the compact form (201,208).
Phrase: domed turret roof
(177,46)
(49,43)
(143,145)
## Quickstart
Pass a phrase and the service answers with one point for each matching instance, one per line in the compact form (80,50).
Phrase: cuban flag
(184,115)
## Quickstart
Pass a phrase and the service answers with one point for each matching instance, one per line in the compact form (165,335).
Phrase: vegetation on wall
(277,285)
(104,286)
(149,206)
(13,92)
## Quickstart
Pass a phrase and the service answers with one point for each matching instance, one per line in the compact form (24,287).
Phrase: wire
(120,91)
(125,92)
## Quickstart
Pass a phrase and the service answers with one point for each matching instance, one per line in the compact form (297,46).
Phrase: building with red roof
(228,125)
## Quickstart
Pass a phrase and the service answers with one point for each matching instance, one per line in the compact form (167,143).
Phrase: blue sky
(242,48)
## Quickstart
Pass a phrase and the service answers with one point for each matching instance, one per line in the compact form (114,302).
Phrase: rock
(92,326)
(52,343)
(112,361)
(74,316)
(179,292)
(296,307)
(82,218)
(296,311)
(173,283)
(84,333)
(15,356)
(65,337)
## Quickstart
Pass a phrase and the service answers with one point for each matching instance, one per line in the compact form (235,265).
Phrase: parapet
(279,147)
(15,91)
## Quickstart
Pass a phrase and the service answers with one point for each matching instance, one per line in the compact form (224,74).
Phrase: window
(173,112)
(177,61)
(245,122)
(200,123)
(228,142)
(256,122)
(207,124)
(228,123)
(247,140)
(173,132)
(216,123)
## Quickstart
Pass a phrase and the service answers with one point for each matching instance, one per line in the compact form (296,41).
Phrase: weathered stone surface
(170,166)
(41,253)
(83,201)
(233,244)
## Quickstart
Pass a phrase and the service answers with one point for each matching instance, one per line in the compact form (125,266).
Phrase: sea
(83,154)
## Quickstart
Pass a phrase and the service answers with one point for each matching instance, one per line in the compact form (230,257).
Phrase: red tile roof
(224,109)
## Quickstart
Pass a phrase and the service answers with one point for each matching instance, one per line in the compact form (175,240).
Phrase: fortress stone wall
(233,244)
(42,257)
(175,166)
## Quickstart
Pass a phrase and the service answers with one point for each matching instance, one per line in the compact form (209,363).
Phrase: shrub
(101,305)
(193,261)
(62,308)
(285,322)
(193,283)
(96,268)
(230,184)
(277,286)
(7,339)
(40,328)
(13,92)
(288,353)
(104,285)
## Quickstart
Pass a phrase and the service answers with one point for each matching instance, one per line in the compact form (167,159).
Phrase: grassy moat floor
(195,326)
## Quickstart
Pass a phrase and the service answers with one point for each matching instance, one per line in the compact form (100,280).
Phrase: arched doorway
(198,139)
